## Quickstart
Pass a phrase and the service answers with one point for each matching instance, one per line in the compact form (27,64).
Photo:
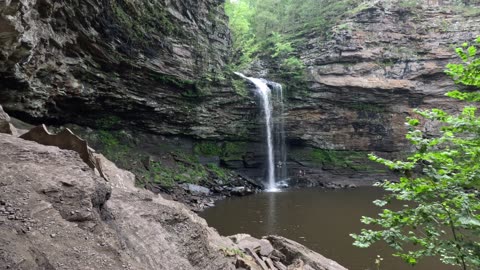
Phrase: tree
(439,187)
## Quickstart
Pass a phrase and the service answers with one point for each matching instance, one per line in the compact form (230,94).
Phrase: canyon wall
(378,64)
(155,76)
(157,65)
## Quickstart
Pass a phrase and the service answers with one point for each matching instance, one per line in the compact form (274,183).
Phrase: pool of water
(319,219)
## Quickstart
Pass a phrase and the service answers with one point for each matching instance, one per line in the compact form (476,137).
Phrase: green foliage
(232,252)
(141,18)
(293,68)
(281,47)
(167,176)
(361,7)
(467,72)
(471,11)
(112,147)
(110,140)
(234,150)
(441,213)
(108,122)
(334,158)
(186,169)
(240,87)
(272,30)
(173,81)
(408,3)
(244,44)
(226,151)
(219,172)
(208,149)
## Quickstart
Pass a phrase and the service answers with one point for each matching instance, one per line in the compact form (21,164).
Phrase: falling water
(279,133)
(274,128)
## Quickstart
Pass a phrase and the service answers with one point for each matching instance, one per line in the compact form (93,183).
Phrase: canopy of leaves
(271,26)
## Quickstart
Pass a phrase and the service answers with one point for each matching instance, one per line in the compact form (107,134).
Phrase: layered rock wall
(157,65)
(378,64)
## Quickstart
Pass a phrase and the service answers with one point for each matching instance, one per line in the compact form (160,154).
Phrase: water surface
(319,219)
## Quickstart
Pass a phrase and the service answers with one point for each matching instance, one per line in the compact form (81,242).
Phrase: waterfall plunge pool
(319,219)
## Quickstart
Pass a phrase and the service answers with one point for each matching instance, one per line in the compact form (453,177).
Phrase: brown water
(321,220)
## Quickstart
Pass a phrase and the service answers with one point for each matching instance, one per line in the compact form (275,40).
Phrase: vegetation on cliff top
(272,27)
(275,30)
(441,215)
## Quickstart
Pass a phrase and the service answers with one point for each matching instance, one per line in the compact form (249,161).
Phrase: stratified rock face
(376,66)
(155,64)
(379,64)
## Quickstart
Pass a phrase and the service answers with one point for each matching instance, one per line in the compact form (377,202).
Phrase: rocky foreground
(56,212)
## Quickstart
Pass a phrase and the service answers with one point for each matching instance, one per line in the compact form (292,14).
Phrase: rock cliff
(153,71)
(136,68)
(157,65)
(378,64)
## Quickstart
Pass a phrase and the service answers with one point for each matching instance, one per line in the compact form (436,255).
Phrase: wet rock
(196,189)
(241,191)
(282,184)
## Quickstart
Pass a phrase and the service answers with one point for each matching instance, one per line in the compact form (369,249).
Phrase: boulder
(298,255)
(245,241)
(196,190)
(241,191)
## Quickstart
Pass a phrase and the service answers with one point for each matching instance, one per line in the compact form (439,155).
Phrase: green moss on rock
(355,160)
(225,150)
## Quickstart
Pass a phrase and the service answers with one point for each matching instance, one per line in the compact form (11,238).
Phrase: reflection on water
(321,220)
(272,211)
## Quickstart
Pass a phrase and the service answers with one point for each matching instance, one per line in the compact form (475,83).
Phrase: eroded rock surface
(304,257)
(56,214)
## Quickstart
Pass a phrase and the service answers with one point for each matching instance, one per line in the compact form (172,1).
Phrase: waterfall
(273,109)
(279,132)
